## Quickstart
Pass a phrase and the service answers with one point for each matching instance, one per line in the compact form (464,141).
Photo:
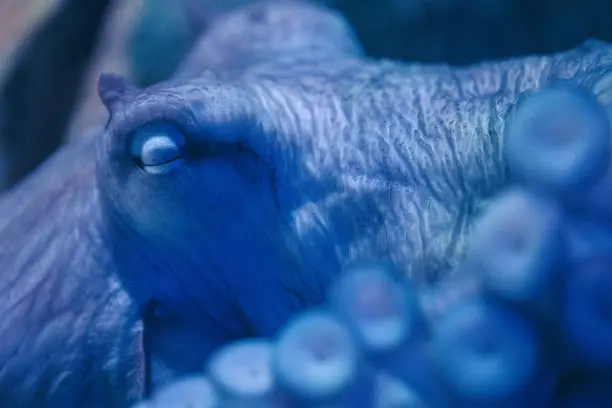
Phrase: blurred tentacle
(41,88)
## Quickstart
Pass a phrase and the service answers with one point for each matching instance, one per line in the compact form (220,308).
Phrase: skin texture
(301,157)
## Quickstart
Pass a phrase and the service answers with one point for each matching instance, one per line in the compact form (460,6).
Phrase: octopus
(215,205)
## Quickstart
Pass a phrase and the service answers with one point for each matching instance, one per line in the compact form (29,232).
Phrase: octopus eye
(158,148)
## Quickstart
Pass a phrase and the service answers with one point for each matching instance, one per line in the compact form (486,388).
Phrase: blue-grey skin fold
(69,334)
(299,160)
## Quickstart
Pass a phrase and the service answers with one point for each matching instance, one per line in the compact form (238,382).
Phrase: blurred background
(51,51)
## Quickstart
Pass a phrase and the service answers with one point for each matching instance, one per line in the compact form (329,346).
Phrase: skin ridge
(369,159)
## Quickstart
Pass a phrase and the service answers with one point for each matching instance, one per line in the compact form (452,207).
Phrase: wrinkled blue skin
(315,157)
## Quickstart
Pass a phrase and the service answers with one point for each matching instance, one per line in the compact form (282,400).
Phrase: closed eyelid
(157,145)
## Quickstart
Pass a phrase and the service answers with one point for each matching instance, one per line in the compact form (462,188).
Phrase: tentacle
(41,88)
